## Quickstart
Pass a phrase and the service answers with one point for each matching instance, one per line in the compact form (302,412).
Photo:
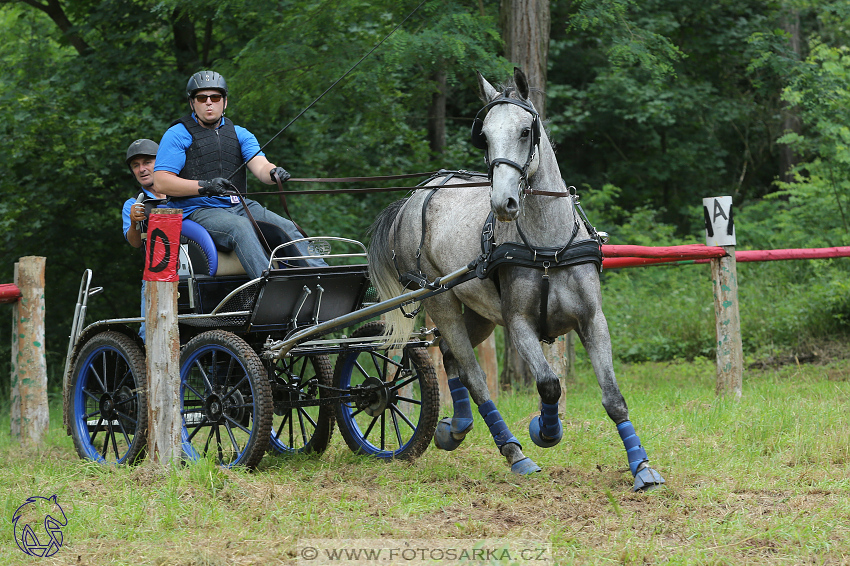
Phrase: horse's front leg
(597,341)
(545,430)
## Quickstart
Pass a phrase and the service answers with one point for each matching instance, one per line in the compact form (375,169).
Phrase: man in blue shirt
(197,157)
(141,158)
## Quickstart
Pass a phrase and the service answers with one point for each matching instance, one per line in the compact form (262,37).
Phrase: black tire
(301,430)
(109,403)
(385,421)
(226,400)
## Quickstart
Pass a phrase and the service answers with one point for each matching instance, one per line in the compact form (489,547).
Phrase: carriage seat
(207,259)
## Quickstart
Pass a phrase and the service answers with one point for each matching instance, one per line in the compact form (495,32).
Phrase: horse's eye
(525,132)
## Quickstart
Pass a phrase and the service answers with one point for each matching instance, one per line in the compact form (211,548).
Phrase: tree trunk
(790,118)
(185,41)
(437,114)
(525,29)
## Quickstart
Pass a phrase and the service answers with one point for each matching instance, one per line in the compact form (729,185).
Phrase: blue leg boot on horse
(505,441)
(545,430)
(646,478)
(451,431)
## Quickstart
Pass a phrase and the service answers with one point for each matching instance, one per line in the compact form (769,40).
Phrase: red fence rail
(634,256)
(9,293)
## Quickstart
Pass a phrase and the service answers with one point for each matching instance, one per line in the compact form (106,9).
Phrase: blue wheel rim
(215,415)
(106,376)
(388,434)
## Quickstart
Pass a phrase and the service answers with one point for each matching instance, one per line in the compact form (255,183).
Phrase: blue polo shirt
(128,205)
(171,157)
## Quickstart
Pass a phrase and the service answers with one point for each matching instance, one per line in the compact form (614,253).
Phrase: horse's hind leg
(459,358)
(597,341)
(451,431)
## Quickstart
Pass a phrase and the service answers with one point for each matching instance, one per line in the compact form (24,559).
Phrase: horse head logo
(27,522)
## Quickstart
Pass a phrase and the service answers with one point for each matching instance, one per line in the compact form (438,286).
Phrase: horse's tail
(382,270)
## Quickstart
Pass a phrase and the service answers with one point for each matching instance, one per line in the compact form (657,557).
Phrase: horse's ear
(485,90)
(521,83)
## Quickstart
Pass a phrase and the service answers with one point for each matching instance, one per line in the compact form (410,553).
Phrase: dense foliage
(653,105)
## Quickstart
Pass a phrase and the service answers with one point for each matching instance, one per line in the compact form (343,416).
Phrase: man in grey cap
(141,158)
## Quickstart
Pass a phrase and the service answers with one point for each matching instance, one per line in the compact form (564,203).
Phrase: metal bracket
(318,305)
(305,292)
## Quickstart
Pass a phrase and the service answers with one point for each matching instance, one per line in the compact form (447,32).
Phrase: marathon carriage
(255,366)
(254,373)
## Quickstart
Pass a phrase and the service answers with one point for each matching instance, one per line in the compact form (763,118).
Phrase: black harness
(574,252)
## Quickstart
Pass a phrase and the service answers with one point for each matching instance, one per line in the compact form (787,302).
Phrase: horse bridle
(479,140)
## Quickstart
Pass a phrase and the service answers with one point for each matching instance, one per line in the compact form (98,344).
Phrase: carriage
(255,368)
(256,371)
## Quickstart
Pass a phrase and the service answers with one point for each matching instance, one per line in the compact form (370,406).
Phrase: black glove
(217,187)
(280,173)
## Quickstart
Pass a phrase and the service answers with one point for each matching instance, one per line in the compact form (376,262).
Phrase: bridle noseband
(479,140)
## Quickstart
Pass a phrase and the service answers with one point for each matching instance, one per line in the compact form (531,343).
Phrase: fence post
(720,231)
(162,337)
(490,364)
(29,411)
(437,358)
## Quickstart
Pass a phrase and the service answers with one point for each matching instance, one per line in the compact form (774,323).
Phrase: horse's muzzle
(507,210)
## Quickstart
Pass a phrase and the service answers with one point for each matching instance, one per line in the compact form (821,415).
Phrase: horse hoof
(541,440)
(647,479)
(443,437)
(524,467)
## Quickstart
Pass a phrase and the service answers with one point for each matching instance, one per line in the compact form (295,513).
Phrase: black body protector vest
(213,153)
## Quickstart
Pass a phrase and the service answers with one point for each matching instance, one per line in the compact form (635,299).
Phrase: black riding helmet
(141,147)
(206,79)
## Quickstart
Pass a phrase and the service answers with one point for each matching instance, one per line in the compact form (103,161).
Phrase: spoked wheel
(109,407)
(226,400)
(394,399)
(307,428)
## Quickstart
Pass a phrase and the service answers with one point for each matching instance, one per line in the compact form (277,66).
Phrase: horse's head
(508,130)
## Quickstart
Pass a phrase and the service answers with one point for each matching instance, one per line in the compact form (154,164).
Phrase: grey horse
(543,285)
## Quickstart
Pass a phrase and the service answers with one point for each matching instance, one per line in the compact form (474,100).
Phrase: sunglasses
(203,97)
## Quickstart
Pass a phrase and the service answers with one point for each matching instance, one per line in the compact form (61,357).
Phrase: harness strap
(417,277)
(544,306)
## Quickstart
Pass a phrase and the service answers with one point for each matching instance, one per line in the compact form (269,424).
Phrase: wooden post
(730,354)
(437,358)
(720,231)
(490,364)
(29,411)
(162,337)
(561,355)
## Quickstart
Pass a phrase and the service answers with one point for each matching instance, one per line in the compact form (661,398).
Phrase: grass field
(762,481)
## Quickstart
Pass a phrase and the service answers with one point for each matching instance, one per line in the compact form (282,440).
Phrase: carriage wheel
(395,401)
(306,429)
(225,400)
(109,407)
